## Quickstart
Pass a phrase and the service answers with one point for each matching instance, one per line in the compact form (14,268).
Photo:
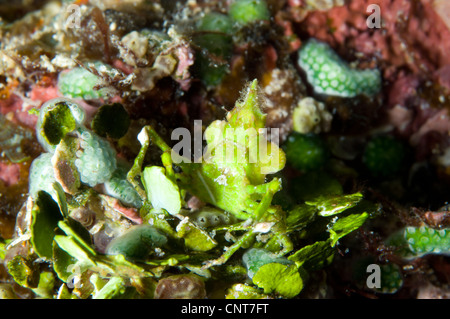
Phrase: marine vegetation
(243,149)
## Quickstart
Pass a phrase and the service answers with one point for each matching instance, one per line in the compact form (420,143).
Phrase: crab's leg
(263,207)
(166,156)
(265,212)
(231,250)
(269,190)
(147,135)
(280,237)
(242,226)
(136,169)
(283,239)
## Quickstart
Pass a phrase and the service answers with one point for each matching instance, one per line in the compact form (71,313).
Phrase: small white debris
(159,252)
(63,61)
(143,136)
(180,225)
(229,237)
(263,227)
(239,287)
(311,116)
(221,180)
(45,63)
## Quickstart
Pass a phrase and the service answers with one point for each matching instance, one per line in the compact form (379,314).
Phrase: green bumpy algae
(80,83)
(97,160)
(248,11)
(214,39)
(41,175)
(119,187)
(328,74)
(391,279)
(412,242)
(384,156)
(215,34)
(306,152)
(75,153)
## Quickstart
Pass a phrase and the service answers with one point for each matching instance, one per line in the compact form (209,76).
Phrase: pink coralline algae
(410,47)
(412,35)
(9,173)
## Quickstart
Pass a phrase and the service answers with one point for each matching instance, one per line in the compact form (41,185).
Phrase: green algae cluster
(330,75)
(168,238)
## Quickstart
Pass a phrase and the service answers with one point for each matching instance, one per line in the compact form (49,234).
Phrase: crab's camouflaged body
(233,171)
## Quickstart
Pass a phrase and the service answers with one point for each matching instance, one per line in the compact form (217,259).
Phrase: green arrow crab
(232,173)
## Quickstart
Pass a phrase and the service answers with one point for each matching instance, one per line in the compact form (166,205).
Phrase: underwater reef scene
(225,149)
